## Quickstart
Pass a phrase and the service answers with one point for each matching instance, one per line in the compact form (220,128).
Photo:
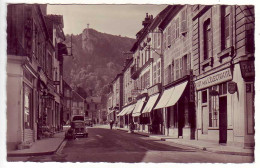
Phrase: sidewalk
(46,146)
(202,145)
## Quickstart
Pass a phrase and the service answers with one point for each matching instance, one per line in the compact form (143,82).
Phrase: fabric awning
(171,96)
(138,107)
(177,92)
(165,98)
(122,112)
(130,109)
(150,103)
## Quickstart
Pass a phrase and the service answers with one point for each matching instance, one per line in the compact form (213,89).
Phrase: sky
(124,20)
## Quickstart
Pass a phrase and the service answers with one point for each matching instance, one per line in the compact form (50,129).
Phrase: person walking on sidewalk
(111,123)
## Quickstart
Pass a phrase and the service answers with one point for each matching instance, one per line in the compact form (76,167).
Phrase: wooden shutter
(184,21)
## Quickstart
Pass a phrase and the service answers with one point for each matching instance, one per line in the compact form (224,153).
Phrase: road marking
(99,136)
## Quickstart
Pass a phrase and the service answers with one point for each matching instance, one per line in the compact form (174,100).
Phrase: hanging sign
(232,87)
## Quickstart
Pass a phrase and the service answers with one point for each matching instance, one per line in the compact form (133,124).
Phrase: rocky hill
(97,58)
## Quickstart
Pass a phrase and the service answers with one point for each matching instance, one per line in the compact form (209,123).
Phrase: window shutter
(183,21)
(173,32)
(169,36)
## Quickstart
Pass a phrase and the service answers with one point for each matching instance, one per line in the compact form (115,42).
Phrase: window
(155,40)
(225,27)
(95,106)
(169,36)
(177,68)
(204,96)
(27,106)
(207,39)
(173,31)
(159,72)
(223,89)
(184,21)
(169,73)
(159,39)
(213,108)
(154,74)
(68,103)
(177,28)
(87,106)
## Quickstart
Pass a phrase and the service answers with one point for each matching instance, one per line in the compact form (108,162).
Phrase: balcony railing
(135,70)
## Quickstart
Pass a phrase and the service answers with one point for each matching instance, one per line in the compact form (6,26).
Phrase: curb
(122,130)
(215,150)
(203,148)
(35,154)
(141,134)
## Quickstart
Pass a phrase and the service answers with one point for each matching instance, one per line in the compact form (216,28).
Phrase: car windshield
(81,118)
(79,125)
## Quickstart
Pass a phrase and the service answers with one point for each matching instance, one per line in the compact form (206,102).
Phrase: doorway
(223,119)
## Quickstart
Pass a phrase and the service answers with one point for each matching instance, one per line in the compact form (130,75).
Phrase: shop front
(146,116)
(225,107)
(177,106)
(137,112)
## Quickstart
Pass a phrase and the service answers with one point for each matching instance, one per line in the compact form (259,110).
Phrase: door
(181,108)
(205,119)
(223,119)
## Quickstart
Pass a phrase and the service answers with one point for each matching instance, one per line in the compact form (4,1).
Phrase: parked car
(89,123)
(80,128)
(77,127)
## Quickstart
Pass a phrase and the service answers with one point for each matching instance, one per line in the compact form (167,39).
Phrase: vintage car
(80,128)
(77,128)
(89,122)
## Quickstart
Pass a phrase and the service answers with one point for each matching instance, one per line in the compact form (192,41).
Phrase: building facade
(224,73)
(30,87)
(93,106)
(78,104)
(192,72)
(67,102)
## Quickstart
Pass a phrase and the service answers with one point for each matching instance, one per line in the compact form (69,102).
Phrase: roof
(76,96)
(172,12)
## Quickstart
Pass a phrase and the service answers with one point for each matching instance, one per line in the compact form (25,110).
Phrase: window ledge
(207,62)
(228,52)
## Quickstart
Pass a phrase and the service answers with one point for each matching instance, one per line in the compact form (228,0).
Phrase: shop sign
(214,79)
(232,87)
(247,69)
(154,89)
(45,96)
(56,82)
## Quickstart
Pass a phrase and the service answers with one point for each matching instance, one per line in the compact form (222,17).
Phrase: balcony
(135,71)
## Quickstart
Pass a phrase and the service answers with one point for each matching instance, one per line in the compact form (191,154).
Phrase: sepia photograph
(129,83)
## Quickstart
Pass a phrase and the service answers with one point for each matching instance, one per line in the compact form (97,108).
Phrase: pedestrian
(111,123)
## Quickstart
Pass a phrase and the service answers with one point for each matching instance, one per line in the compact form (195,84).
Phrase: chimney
(147,20)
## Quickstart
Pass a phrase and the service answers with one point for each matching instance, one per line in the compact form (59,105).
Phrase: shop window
(204,96)
(207,39)
(27,107)
(213,107)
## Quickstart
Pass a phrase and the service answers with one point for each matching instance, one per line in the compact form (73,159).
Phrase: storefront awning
(165,98)
(138,107)
(130,109)
(122,112)
(171,96)
(177,92)
(150,103)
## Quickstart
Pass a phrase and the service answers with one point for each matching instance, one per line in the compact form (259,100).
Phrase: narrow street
(104,145)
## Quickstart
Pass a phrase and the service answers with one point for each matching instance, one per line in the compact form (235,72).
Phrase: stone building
(223,59)
(31,82)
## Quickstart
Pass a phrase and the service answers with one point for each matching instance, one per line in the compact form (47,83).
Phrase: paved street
(104,145)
